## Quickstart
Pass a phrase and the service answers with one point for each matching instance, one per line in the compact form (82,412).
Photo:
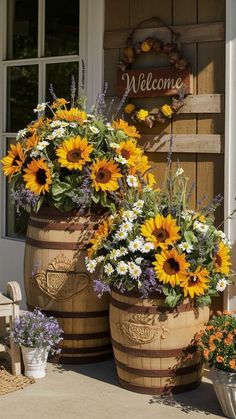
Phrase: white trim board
(230,140)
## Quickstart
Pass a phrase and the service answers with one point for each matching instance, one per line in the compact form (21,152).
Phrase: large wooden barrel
(151,344)
(56,280)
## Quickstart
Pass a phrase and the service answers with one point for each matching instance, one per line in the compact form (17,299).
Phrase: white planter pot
(35,360)
(225,387)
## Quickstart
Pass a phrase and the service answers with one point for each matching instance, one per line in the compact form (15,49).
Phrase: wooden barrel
(151,344)
(56,281)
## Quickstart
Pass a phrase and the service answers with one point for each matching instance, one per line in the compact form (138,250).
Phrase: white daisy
(221,285)
(137,211)
(120,160)
(132,181)
(126,226)
(108,269)
(41,145)
(40,107)
(35,153)
(122,268)
(21,133)
(100,259)
(121,235)
(91,265)
(109,127)
(123,251)
(114,254)
(135,271)
(147,247)
(73,125)
(94,130)
(138,260)
(129,215)
(59,132)
(135,245)
(114,145)
(186,247)
(55,124)
(139,204)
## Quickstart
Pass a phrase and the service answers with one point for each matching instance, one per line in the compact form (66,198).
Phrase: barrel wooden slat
(150,344)
(56,280)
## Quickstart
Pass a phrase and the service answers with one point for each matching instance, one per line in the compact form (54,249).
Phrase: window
(41,45)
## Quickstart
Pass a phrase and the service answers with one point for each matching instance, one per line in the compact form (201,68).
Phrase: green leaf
(95,197)
(60,188)
(172,300)
(39,204)
(190,237)
(204,300)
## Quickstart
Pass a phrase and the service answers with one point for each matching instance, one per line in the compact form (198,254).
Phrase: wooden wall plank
(207,103)
(186,143)
(140,10)
(116,17)
(206,32)
(211,10)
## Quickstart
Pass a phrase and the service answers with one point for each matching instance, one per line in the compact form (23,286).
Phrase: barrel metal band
(86,336)
(160,373)
(160,390)
(54,245)
(73,315)
(64,226)
(162,353)
(88,350)
(147,309)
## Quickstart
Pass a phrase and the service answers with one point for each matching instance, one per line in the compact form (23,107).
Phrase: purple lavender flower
(150,283)
(24,198)
(100,287)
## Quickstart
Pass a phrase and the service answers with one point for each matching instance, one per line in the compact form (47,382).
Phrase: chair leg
(15,352)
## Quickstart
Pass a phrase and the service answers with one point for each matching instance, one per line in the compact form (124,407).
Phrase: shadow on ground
(202,400)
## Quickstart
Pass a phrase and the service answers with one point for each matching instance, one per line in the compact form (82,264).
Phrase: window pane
(61,27)
(59,75)
(16,222)
(22,96)
(22,18)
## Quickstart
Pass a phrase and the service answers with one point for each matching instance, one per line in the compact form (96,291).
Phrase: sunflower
(195,283)
(100,234)
(129,151)
(59,102)
(142,167)
(222,259)
(73,115)
(129,130)
(14,160)
(105,175)
(37,177)
(74,153)
(40,123)
(32,141)
(161,231)
(171,267)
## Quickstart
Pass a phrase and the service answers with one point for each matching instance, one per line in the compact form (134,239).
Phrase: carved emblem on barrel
(141,328)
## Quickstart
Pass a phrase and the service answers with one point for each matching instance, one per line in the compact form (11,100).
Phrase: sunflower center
(218,260)
(74,155)
(125,154)
(14,163)
(103,176)
(161,234)
(41,177)
(171,266)
(193,280)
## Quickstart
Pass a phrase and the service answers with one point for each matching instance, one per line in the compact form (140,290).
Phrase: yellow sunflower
(74,153)
(171,267)
(161,231)
(37,177)
(13,161)
(142,167)
(38,124)
(129,130)
(129,151)
(73,115)
(59,103)
(100,234)
(105,175)
(32,141)
(222,259)
(195,283)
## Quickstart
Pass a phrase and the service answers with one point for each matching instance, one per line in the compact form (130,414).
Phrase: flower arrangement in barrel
(155,243)
(74,160)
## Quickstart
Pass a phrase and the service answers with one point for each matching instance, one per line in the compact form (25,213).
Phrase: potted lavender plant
(37,335)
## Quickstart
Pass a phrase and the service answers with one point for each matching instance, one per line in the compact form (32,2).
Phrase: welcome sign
(154,82)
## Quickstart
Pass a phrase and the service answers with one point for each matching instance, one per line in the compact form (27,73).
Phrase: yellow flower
(167,110)
(129,130)
(73,115)
(100,234)
(196,282)
(59,103)
(142,168)
(170,267)
(142,114)
(32,141)
(37,125)
(145,46)
(161,231)
(74,153)
(105,175)
(37,177)
(129,151)
(222,259)
(13,161)
(129,108)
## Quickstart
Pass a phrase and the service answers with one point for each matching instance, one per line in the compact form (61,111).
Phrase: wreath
(170,50)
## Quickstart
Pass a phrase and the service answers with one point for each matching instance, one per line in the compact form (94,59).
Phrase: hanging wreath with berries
(174,81)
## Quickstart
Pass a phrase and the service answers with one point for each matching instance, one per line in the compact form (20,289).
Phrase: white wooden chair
(9,309)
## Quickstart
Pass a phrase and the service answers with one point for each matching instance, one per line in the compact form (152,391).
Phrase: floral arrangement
(217,342)
(157,115)
(35,330)
(155,243)
(75,160)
